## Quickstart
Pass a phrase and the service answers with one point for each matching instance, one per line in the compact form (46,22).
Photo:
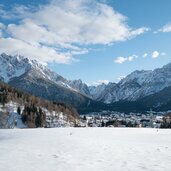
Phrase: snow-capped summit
(16,66)
(138,76)
(12,66)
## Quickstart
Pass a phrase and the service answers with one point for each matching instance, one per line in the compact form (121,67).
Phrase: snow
(57,119)
(95,91)
(83,149)
(13,119)
(79,86)
(11,67)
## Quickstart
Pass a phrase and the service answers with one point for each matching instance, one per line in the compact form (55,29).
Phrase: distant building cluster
(149,119)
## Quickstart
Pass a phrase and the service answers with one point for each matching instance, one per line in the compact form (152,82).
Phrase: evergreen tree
(84,118)
(19,110)
(103,124)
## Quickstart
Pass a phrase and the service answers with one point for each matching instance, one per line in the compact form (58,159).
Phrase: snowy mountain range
(33,77)
(137,85)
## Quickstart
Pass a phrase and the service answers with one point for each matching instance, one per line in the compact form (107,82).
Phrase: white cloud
(65,28)
(131,58)
(43,53)
(139,31)
(155,54)
(165,29)
(145,55)
(121,60)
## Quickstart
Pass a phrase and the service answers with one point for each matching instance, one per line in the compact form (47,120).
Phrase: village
(150,119)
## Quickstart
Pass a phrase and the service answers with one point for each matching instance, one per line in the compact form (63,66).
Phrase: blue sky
(88,39)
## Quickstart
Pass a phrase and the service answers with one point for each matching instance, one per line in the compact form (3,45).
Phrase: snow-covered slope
(95,91)
(97,149)
(33,111)
(15,66)
(11,67)
(80,86)
(9,118)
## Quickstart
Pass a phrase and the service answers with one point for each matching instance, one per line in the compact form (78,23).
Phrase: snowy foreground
(85,149)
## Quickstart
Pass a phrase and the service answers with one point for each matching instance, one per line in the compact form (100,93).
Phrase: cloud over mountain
(62,29)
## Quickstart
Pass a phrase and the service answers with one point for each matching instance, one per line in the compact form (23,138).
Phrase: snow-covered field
(85,149)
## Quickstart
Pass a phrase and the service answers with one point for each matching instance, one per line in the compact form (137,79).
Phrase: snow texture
(11,67)
(78,149)
(11,118)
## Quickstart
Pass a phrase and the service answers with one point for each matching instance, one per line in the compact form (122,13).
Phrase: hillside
(33,110)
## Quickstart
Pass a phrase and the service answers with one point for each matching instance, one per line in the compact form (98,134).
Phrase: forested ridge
(32,114)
